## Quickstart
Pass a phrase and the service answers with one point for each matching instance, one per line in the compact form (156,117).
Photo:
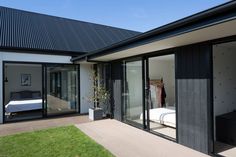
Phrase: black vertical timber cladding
(193,74)
(116,79)
(193,62)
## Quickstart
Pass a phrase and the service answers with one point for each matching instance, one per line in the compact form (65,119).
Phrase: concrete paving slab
(126,141)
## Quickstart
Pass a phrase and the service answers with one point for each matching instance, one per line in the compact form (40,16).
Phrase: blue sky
(139,15)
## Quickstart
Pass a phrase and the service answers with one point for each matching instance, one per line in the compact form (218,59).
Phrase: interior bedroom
(162,115)
(22,91)
(224,98)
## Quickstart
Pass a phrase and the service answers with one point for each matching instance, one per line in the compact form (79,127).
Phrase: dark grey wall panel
(116,78)
(193,61)
(193,98)
(27,30)
(193,74)
(117,99)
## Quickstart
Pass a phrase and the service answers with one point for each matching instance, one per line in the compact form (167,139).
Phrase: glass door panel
(61,91)
(133,92)
(161,105)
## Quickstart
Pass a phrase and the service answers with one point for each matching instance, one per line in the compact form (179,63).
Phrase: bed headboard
(25,95)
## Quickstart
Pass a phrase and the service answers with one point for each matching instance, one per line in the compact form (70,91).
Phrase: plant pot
(95,113)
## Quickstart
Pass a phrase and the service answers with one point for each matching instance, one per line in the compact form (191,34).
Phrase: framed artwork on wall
(25,79)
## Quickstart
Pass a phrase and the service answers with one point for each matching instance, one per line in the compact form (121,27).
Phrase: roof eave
(169,27)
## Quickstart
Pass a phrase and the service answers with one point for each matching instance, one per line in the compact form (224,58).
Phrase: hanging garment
(163,97)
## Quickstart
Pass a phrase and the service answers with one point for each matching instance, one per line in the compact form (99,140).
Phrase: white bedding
(23,105)
(163,116)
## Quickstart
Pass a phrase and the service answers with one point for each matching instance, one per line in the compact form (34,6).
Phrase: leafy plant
(98,94)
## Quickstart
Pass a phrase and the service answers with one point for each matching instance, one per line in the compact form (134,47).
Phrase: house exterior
(39,47)
(196,48)
(176,81)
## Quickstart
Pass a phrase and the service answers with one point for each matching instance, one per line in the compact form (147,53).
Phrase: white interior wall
(224,57)
(164,69)
(26,57)
(13,74)
(85,87)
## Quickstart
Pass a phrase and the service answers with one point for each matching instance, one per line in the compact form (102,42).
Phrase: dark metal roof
(211,15)
(23,30)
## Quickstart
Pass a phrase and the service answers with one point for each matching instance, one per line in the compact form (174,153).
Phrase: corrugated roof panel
(27,30)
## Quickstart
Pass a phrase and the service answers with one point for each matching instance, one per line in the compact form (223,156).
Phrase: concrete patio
(32,125)
(119,138)
(126,141)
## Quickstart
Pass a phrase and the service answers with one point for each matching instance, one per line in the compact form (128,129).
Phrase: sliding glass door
(161,105)
(61,92)
(22,91)
(39,90)
(133,92)
(149,94)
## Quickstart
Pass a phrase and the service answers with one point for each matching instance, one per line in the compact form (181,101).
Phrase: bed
(24,101)
(164,116)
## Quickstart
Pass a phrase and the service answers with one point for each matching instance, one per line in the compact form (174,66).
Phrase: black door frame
(148,95)
(3,88)
(146,89)
(44,88)
(143,126)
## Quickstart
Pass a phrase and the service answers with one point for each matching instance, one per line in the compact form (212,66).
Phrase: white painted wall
(24,57)
(164,69)
(13,73)
(85,87)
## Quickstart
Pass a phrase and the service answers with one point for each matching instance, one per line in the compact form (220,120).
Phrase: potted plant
(98,95)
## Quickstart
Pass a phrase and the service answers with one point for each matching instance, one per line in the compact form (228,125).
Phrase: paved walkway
(26,126)
(126,141)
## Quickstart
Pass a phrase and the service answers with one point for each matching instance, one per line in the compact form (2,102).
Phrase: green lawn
(57,142)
